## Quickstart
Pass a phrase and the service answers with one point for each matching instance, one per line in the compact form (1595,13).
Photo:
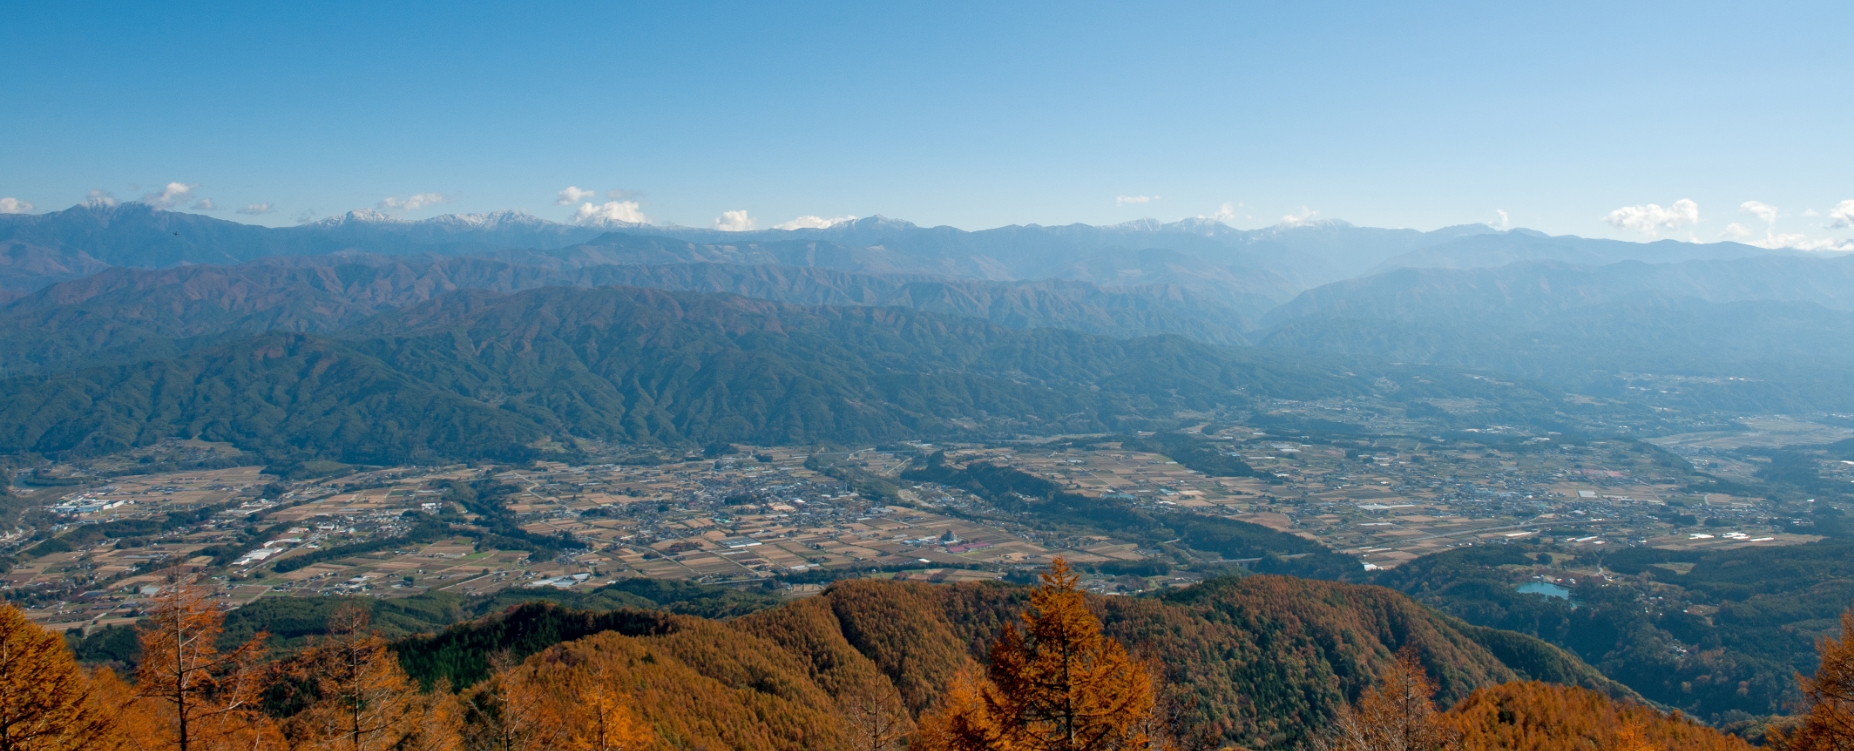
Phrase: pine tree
(1828,725)
(46,701)
(207,699)
(1396,714)
(1055,685)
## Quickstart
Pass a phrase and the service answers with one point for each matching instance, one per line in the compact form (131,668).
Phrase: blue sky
(974,115)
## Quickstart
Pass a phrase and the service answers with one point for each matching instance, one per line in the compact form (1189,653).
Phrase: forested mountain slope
(1261,660)
(123,314)
(478,373)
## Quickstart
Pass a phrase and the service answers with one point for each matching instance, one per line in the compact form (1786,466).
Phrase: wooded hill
(1261,660)
(1264,661)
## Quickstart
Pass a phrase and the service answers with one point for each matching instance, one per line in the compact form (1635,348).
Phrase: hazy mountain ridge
(1254,268)
(1521,245)
(1768,333)
(1527,292)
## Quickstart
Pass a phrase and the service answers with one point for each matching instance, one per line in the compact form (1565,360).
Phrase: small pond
(1545,588)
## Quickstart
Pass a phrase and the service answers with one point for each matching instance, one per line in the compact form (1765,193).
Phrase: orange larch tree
(511,711)
(1828,723)
(876,719)
(1395,714)
(207,699)
(598,715)
(1055,685)
(46,701)
(364,698)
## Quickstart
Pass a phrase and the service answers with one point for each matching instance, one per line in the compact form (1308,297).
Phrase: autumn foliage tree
(1828,725)
(876,720)
(363,699)
(598,715)
(46,702)
(204,699)
(1537,716)
(1056,684)
(1398,713)
(544,704)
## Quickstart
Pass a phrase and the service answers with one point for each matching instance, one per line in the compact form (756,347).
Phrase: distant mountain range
(1253,269)
(99,286)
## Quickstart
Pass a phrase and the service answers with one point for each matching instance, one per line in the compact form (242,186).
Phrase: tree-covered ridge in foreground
(866,665)
(1261,661)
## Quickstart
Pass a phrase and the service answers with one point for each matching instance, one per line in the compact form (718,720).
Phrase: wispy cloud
(1800,241)
(1124,200)
(306,217)
(734,221)
(1504,223)
(1842,215)
(1790,240)
(11,205)
(572,195)
(170,195)
(1651,219)
(1224,213)
(412,202)
(811,222)
(610,212)
(205,204)
(256,209)
(1735,231)
(99,197)
(1761,210)
(1303,217)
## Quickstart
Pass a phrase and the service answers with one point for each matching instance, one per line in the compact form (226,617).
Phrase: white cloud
(205,204)
(1791,240)
(1651,219)
(11,205)
(1843,215)
(99,197)
(610,212)
(412,202)
(573,195)
(1304,216)
(1124,200)
(1225,213)
(170,195)
(255,209)
(1735,231)
(734,221)
(1811,212)
(810,222)
(1505,222)
(1761,210)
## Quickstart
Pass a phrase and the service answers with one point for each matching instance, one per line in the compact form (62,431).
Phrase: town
(786,519)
